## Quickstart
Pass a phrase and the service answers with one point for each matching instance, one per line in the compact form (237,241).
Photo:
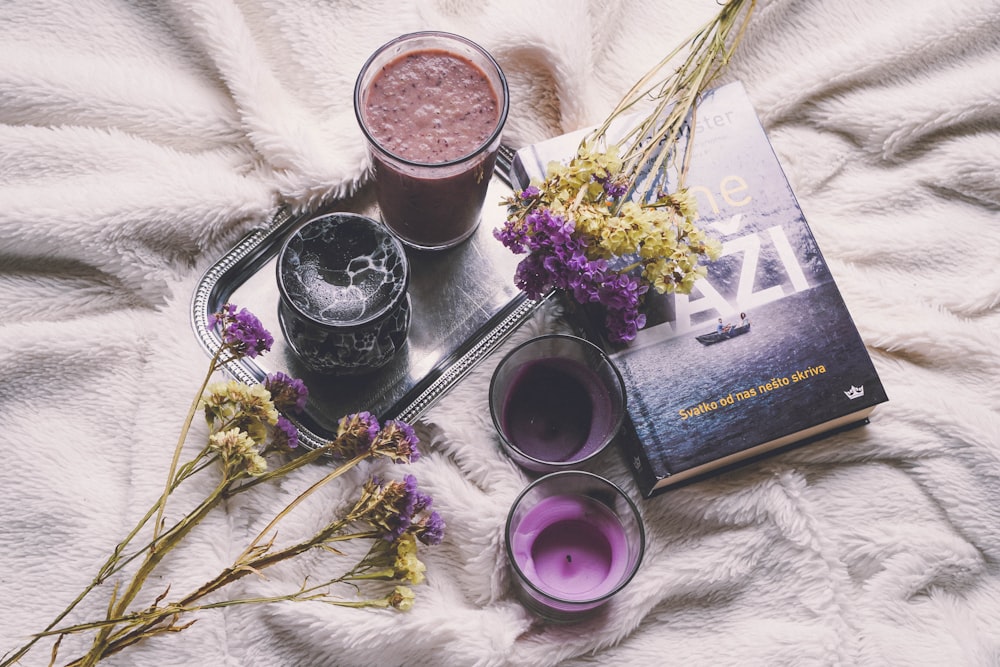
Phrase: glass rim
(586,602)
(382,314)
(616,425)
(504,93)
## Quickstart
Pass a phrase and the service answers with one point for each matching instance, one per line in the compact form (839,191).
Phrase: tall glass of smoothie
(432,106)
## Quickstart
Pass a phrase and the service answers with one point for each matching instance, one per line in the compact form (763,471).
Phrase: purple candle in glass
(556,401)
(571,546)
(573,540)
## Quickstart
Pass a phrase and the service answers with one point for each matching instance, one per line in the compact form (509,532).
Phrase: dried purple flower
(397,441)
(512,235)
(532,277)
(355,434)
(242,333)
(431,529)
(558,260)
(285,434)
(288,394)
(227,312)
(402,503)
(615,187)
(530,192)
(547,230)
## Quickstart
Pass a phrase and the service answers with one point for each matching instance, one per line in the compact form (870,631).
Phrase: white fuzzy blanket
(140,140)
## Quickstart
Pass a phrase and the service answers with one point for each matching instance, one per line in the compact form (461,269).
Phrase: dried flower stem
(154,554)
(245,424)
(105,643)
(332,475)
(709,49)
(181,439)
(115,561)
(148,622)
(150,618)
(157,548)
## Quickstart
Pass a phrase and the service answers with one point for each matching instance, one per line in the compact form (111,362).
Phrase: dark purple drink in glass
(432,106)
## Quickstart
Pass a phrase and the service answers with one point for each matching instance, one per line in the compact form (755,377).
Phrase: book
(763,354)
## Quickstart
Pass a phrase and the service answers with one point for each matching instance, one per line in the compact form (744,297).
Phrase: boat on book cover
(724,332)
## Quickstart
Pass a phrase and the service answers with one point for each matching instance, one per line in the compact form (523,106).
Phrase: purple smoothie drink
(432,106)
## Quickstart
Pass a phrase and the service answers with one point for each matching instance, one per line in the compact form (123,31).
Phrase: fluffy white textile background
(139,140)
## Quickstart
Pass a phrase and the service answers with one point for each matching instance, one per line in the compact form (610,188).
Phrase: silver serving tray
(464,305)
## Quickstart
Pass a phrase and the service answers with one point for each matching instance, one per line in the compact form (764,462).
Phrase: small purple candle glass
(573,541)
(557,401)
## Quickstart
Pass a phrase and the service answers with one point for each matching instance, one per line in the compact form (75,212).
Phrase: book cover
(763,353)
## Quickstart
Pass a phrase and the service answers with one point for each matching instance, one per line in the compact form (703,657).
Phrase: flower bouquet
(598,228)
(249,442)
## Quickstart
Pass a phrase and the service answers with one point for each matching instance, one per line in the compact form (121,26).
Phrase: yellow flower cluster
(659,234)
(234,445)
(238,416)
(402,598)
(407,566)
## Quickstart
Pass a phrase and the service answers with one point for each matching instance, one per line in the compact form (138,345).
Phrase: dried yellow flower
(401,598)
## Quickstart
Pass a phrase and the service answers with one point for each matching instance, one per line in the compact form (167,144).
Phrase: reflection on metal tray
(464,305)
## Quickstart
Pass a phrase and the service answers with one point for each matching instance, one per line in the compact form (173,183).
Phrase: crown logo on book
(855,392)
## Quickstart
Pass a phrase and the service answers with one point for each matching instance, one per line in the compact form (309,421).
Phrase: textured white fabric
(139,140)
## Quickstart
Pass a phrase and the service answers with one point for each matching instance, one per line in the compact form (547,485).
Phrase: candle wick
(569,558)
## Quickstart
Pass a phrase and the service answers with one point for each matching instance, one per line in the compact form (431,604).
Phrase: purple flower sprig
(359,435)
(242,333)
(557,259)
(288,394)
(286,434)
(395,508)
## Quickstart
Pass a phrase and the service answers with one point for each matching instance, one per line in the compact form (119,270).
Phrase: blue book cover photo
(764,346)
